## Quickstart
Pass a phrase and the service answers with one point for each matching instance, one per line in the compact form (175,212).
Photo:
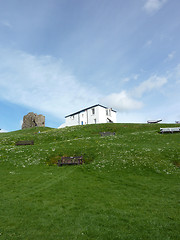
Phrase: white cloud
(135,77)
(152,83)
(122,102)
(6,23)
(126,79)
(171,55)
(152,6)
(148,43)
(42,83)
(3,131)
(127,101)
(130,78)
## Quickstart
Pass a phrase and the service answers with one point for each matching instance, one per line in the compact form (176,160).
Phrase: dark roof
(87,109)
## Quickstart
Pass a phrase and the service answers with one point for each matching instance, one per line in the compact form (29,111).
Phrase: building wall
(72,120)
(106,114)
(102,115)
(93,115)
(83,118)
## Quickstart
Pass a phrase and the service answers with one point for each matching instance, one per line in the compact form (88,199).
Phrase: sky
(60,56)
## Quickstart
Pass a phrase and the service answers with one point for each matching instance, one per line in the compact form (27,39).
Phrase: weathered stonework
(33,120)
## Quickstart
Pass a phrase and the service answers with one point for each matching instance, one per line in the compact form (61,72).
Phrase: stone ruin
(33,120)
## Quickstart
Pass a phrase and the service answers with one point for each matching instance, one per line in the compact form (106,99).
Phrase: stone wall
(33,120)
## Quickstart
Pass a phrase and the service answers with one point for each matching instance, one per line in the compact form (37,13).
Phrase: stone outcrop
(33,120)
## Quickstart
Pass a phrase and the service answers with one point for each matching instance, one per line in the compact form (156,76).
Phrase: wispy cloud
(135,77)
(148,43)
(42,83)
(122,102)
(152,6)
(127,79)
(170,56)
(130,78)
(154,82)
(126,101)
(6,23)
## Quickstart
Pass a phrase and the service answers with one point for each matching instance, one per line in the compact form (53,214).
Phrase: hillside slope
(127,189)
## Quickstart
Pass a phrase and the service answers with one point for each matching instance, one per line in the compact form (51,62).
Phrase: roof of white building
(87,109)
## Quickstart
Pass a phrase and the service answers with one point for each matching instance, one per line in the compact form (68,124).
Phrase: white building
(92,115)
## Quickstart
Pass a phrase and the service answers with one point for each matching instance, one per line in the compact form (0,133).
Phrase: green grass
(127,189)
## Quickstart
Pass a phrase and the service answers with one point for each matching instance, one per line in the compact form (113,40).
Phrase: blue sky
(59,56)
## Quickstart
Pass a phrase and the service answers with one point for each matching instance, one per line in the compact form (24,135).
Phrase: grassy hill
(128,187)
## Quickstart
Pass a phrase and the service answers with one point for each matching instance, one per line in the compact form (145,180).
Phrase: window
(108,112)
(72,117)
(95,120)
(93,111)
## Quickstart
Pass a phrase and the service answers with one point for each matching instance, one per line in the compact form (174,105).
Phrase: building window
(95,120)
(93,111)
(108,112)
(72,117)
